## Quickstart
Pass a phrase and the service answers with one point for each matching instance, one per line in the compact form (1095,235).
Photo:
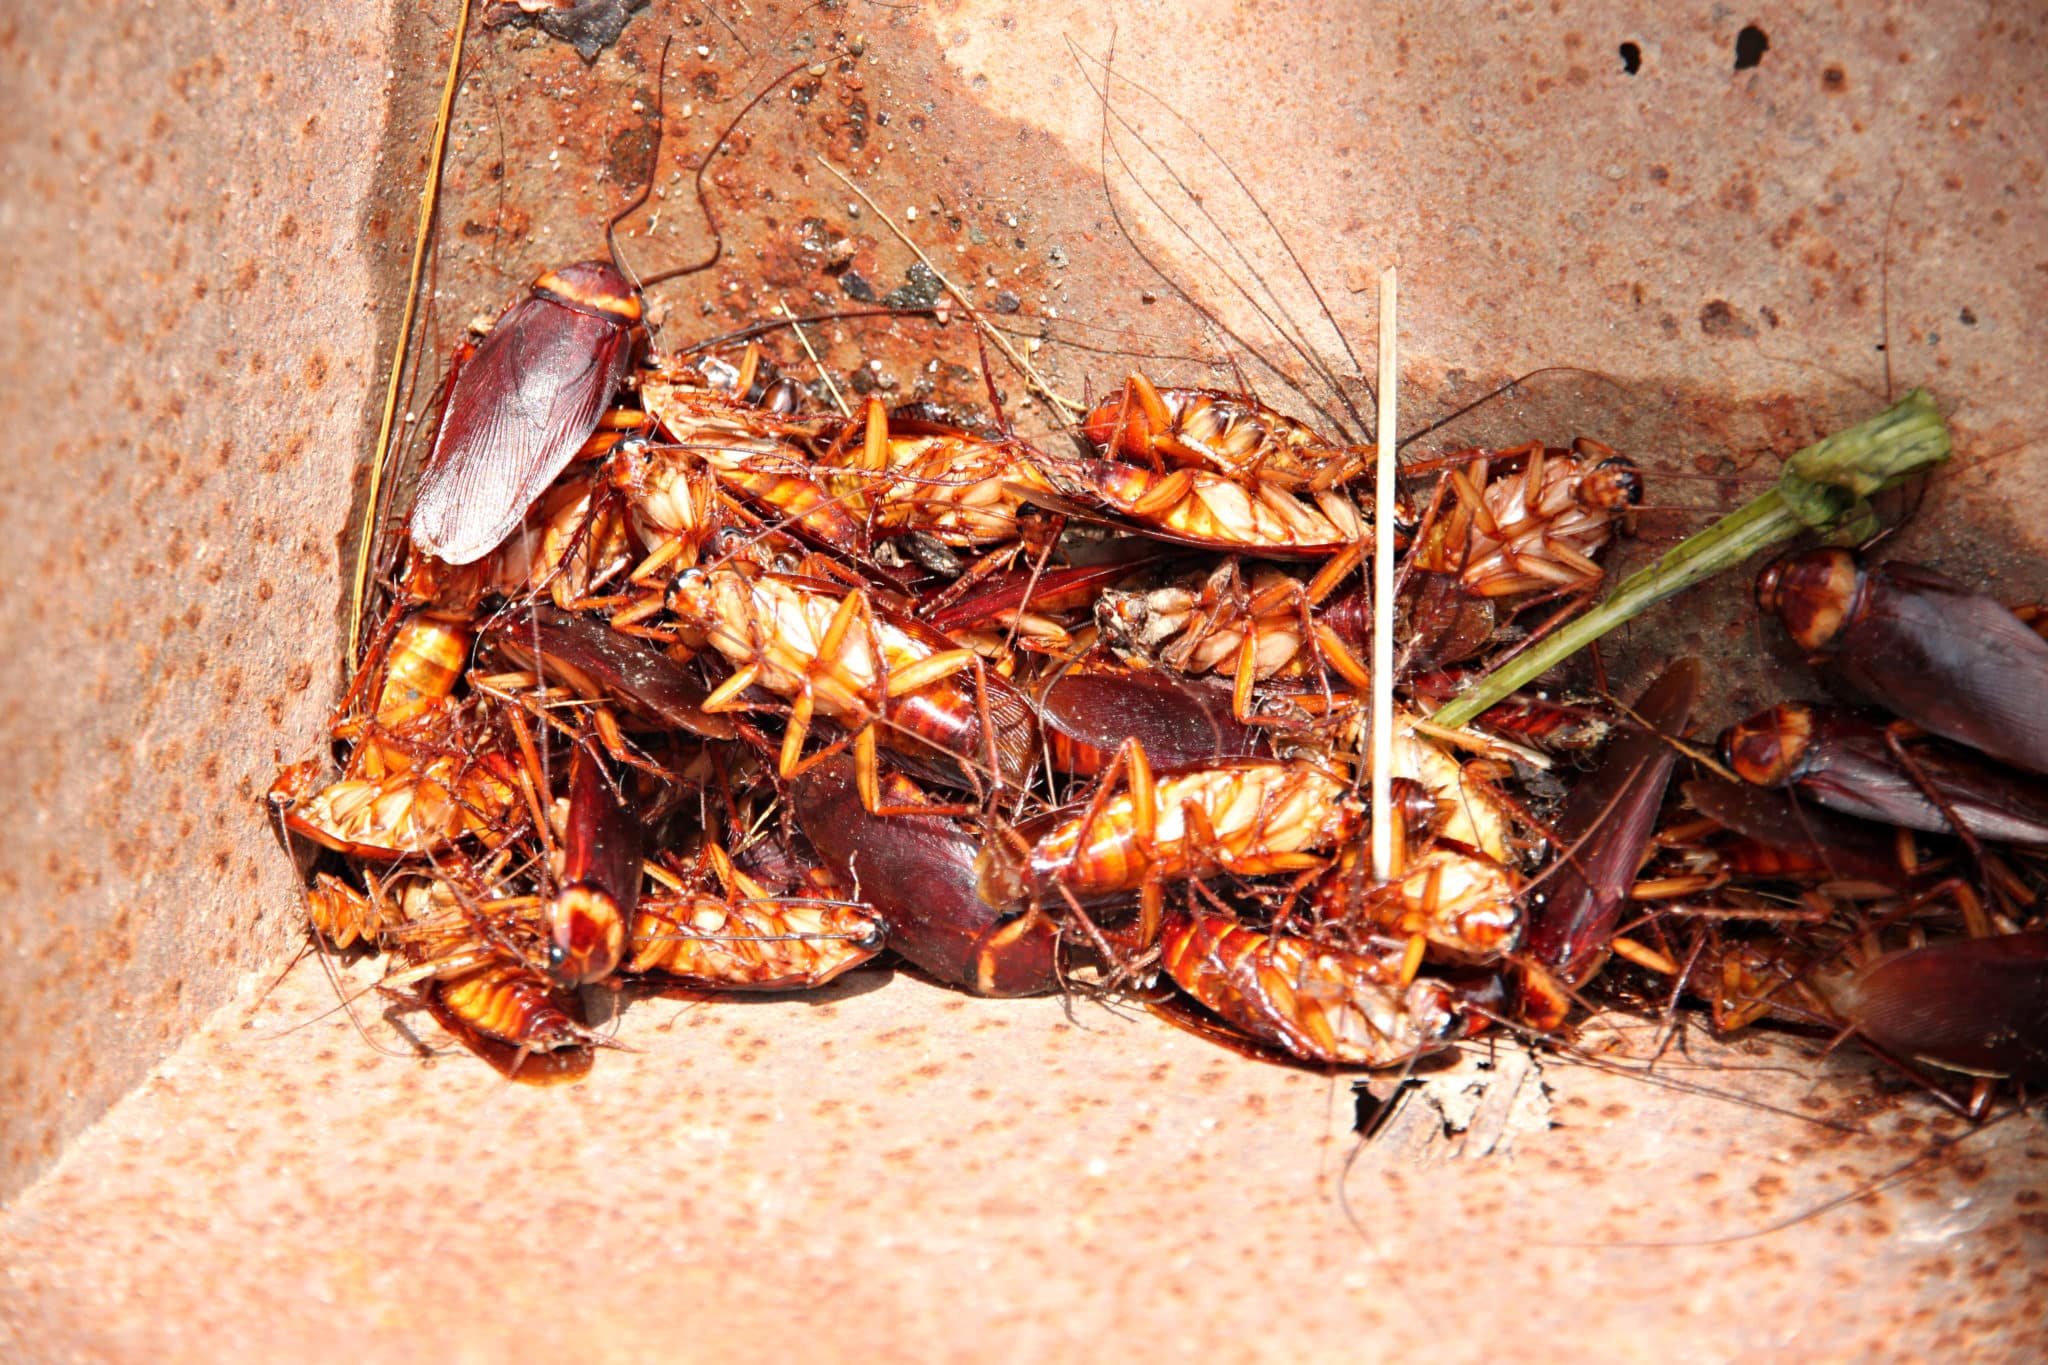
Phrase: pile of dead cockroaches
(676,679)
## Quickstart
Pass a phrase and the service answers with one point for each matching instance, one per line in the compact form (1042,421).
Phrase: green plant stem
(1822,487)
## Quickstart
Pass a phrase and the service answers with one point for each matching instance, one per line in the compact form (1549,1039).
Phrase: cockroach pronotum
(1953,661)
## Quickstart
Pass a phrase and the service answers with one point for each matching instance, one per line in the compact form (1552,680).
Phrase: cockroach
(747,450)
(1975,1005)
(538,384)
(1029,601)
(510,1003)
(1256,630)
(1951,660)
(1180,722)
(835,653)
(422,808)
(1464,906)
(601,663)
(1843,849)
(590,913)
(1856,767)
(1605,828)
(1229,433)
(745,938)
(1247,818)
(345,916)
(918,871)
(1535,530)
(918,476)
(1198,508)
(523,406)
(1321,1004)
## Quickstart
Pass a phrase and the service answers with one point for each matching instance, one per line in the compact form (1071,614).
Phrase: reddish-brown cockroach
(834,652)
(538,384)
(1247,818)
(512,1004)
(1321,1004)
(917,476)
(440,795)
(1953,661)
(601,663)
(745,938)
(1604,830)
(523,406)
(1180,722)
(918,871)
(592,909)
(345,916)
(1859,768)
(745,449)
(1229,433)
(1841,849)
(1461,904)
(1535,530)
(1199,508)
(1976,1005)
(1034,609)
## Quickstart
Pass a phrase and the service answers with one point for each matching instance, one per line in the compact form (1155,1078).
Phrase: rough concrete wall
(190,339)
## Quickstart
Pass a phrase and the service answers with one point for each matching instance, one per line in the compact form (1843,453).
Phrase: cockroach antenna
(710,258)
(611,228)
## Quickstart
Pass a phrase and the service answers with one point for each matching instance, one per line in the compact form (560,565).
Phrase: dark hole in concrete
(1750,46)
(1631,58)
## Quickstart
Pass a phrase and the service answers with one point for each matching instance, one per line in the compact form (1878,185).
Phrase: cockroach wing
(1975,1005)
(516,416)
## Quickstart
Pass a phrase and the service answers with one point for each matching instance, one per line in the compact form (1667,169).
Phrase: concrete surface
(204,224)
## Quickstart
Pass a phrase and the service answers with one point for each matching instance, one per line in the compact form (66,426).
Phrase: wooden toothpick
(1383,597)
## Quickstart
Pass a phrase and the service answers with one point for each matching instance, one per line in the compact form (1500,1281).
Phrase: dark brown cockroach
(1853,766)
(600,663)
(1976,1005)
(1605,828)
(918,871)
(1321,1004)
(591,911)
(1180,722)
(1841,849)
(523,406)
(1951,660)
